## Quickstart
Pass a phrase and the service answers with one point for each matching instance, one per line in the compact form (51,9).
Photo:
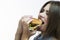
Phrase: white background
(12,10)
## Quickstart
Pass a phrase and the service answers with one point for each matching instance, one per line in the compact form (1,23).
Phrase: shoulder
(44,38)
(52,38)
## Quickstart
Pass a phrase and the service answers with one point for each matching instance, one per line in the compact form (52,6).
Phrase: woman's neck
(42,33)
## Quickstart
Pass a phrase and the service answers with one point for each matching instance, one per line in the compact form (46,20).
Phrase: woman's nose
(41,15)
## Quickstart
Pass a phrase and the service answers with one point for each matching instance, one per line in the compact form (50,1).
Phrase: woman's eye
(47,13)
(42,11)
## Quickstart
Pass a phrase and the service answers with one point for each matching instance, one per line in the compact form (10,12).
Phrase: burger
(34,24)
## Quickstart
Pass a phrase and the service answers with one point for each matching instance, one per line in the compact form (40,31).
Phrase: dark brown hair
(53,26)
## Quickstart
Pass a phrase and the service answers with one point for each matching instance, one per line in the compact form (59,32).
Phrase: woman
(50,15)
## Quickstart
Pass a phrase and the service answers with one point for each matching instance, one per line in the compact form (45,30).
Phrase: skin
(44,16)
(23,32)
(23,25)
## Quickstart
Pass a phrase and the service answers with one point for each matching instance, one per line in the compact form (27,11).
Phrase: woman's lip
(41,18)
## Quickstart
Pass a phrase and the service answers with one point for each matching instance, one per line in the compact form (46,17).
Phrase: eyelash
(47,13)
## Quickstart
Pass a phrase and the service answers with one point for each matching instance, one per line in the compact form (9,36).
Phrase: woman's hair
(53,26)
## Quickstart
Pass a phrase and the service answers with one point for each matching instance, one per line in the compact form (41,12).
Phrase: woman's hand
(26,32)
(23,32)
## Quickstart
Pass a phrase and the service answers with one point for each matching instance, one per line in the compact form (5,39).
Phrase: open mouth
(42,23)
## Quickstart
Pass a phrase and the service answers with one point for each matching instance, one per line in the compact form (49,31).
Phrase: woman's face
(43,15)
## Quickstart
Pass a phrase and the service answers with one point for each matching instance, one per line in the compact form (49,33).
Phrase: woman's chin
(41,28)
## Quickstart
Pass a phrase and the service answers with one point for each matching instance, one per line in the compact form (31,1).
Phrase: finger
(25,25)
(27,19)
(28,16)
